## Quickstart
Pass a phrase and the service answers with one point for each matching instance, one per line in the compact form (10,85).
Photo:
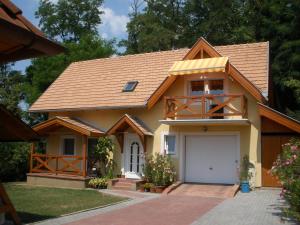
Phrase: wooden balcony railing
(206,106)
(57,164)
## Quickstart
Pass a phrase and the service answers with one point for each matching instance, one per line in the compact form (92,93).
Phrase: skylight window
(130,86)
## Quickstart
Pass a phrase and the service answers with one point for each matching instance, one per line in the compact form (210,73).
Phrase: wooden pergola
(19,39)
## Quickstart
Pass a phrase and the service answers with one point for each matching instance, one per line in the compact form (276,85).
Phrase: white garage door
(211,159)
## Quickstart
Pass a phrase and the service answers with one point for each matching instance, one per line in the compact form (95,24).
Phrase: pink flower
(294,148)
(294,156)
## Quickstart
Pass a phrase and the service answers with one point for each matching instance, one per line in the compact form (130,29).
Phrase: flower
(294,147)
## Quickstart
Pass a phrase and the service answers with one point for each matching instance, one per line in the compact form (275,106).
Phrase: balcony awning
(207,65)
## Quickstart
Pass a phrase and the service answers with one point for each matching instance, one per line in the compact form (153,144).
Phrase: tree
(69,20)
(11,83)
(74,23)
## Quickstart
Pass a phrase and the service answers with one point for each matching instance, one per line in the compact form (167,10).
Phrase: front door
(134,156)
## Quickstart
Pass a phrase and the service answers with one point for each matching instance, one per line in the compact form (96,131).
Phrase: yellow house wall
(104,119)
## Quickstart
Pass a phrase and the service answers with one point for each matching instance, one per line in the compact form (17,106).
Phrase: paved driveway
(173,210)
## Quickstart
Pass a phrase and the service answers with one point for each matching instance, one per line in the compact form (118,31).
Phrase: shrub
(14,158)
(245,174)
(99,183)
(147,186)
(159,170)
(287,169)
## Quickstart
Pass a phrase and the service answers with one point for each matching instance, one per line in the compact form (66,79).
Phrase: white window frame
(163,149)
(62,143)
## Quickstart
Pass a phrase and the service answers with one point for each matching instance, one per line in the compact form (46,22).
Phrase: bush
(245,174)
(98,183)
(159,170)
(14,161)
(287,169)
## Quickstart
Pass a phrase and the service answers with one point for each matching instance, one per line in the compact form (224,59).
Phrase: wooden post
(7,206)
(32,149)
(84,155)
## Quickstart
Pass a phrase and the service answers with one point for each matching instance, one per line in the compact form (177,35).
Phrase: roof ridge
(130,55)
(241,44)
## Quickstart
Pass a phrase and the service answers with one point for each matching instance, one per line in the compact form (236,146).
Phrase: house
(206,107)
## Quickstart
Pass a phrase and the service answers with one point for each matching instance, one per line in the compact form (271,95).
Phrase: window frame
(165,151)
(134,82)
(62,144)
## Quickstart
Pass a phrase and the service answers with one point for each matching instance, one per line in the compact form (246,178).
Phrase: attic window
(130,86)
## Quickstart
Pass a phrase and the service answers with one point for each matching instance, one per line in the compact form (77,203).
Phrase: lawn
(40,203)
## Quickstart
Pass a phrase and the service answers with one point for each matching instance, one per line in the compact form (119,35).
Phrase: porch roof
(127,121)
(71,123)
(279,117)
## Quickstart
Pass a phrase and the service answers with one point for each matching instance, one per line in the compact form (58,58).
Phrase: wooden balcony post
(32,146)
(84,155)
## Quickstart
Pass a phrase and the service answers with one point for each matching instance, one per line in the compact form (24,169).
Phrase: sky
(113,25)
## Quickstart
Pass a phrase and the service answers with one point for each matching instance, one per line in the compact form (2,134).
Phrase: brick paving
(260,207)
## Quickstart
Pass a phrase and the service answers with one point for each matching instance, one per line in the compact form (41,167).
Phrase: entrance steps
(124,184)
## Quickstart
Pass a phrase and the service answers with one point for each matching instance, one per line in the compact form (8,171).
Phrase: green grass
(40,203)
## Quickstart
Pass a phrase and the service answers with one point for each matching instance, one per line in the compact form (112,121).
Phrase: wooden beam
(84,155)
(8,207)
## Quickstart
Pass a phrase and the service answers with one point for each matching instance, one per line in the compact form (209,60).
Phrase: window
(200,87)
(69,146)
(130,86)
(170,144)
(197,87)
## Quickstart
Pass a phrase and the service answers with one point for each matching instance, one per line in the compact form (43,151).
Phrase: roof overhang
(14,129)
(20,39)
(207,122)
(279,117)
(126,122)
(70,123)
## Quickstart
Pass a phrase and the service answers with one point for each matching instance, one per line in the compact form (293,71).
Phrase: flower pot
(159,189)
(153,190)
(245,187)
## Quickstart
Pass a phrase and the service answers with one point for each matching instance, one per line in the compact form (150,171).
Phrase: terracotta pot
(159,189)
(153,190)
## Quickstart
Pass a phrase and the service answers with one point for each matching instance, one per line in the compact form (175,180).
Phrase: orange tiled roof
(98,83)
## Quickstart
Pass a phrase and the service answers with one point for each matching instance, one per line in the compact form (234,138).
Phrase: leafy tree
(74,23)
(69,20)
(11,83)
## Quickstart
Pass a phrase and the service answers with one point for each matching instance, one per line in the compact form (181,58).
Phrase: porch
(64,160)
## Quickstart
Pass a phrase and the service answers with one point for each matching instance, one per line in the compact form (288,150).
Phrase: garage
(211,158)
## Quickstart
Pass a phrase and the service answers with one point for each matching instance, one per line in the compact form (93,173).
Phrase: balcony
(206,108)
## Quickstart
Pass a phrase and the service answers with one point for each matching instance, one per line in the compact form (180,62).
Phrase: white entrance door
(211,159)
(134,156)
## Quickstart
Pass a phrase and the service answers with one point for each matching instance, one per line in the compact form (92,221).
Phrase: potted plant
(147,187)
(245,174)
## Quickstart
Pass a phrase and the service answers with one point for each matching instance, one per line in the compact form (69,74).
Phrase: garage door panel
(211,159)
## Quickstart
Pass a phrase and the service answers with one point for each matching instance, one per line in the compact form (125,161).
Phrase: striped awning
(207,65)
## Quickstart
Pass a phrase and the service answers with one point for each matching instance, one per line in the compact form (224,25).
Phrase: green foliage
(287,169)
(11,84)
(99,183)
(69,20)
(159,170)
(148,186)
(103,157)
(13,161)
(245,174)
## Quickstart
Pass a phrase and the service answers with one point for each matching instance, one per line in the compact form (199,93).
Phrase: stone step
(127,188)
(118,183)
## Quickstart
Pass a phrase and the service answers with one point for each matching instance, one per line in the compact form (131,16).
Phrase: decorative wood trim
(279,117)
(8,207)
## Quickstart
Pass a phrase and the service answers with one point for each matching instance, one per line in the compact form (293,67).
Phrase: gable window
(170,144)
(201,87)
(130,86)
(68,146)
